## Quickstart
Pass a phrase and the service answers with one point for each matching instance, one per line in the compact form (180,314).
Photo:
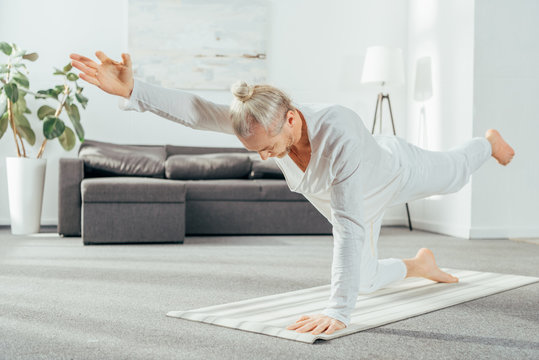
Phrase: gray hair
(262,105)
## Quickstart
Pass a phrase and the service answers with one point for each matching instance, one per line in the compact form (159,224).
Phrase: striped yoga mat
(271,315)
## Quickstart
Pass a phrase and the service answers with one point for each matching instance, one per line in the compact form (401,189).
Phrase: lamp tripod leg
(376,112)
(395,133)
(409,221)
(381,108)
(391,115)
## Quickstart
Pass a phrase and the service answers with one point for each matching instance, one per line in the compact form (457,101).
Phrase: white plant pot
(25,182)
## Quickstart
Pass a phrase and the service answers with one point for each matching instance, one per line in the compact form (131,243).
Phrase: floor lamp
(384,66)
(422,93)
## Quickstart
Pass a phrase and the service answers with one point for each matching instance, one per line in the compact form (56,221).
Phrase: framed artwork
(198,44)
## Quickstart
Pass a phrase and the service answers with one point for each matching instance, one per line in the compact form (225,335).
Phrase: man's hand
(317,322)
(110,76)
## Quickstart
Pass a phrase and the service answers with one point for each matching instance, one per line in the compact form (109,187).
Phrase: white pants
(427,173)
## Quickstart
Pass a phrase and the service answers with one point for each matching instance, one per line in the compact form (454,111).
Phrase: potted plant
(26,176)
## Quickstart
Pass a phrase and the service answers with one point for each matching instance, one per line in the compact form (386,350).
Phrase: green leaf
(79,89)
(21,80)
(67,139)
(12,92)
(3,102)
(27,111)
(82,100)
(80,131)
(74,116)
(6,48)
(27,133)
(48,93)
(72,77)
(23,125)
(68,67)
(32,56)
(3,123)
(3,69)
(21,120)
(53,127)
(73,112)
(44,111)
(69,100)
(20,107)
(58,72)
(57,91)
(22,73)
(59,88)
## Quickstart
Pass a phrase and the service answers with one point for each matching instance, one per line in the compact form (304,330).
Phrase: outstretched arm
(111,76)
(347,218)
(116,78)
(349,229)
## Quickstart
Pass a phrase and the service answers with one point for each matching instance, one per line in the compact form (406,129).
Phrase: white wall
(505,200)
(315,53)
(444,31)
(485,75)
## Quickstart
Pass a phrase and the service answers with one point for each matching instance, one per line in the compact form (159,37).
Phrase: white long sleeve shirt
(350,177)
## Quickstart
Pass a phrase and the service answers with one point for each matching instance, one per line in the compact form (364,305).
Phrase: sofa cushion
(198,150)
(241,190)
(264,169)
(107,159)
(277,190)
(208,166)
(222,189)
(132,189)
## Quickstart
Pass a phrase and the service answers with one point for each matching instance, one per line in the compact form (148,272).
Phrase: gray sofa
(158,194)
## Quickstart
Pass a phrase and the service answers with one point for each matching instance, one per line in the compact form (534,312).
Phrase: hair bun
(242,91)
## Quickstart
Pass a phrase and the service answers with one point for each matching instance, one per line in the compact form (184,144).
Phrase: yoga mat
(270,315)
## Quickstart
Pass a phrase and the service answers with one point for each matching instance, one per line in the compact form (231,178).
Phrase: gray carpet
(62,300)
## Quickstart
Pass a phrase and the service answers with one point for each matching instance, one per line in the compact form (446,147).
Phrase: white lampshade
(423,79)
(383,65)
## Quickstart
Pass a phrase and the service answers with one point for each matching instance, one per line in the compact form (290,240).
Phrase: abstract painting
(198,44)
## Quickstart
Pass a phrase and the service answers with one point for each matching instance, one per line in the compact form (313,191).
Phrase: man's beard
(284,153)
(288,148)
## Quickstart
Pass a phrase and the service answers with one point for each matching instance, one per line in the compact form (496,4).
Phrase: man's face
(269,146)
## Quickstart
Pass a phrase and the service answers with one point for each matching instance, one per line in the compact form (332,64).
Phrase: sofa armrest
(71,173)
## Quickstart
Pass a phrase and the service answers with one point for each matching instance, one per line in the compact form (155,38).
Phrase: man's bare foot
(501,150)
(424,265)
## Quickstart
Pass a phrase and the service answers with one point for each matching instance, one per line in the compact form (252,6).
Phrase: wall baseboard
(435,227)
(465,233)
(44,222)
(439,228)
(503,232)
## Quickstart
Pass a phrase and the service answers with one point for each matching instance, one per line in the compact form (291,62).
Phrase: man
(328,155)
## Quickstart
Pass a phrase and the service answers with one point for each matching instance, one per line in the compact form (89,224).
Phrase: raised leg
(430,173)
(439,172)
